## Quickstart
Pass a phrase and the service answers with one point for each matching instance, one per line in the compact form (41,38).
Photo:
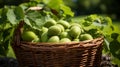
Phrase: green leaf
(6,44)
(106,48)
(115,48)
(108,20)
(7,26)
(1,37)
(118,38)
(107,30)
(59,5)
(54,4)
(116,29)
(24,6)
(33,15)
(19,13)
(92,18)
(1,26)
(11,52)
(46,1)
(0,12)
(66,10)
(114,35)
(9,34)
(35,19)
(87,23)
(11,16)
(38,1)
(115,60)
(3,13)
(2,51)
(40,22)
(27,21)
(94,32)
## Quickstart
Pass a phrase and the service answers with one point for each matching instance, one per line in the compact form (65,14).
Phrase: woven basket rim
(85,43)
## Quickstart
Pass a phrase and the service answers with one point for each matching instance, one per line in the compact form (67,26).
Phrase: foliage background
(83,7)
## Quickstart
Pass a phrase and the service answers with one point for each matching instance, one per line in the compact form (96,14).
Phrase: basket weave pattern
(75,54)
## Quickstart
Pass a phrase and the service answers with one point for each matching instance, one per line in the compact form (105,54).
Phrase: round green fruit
(85,37)
(44,29)
(64,35)
(54,30)
(67,30)
(36,40)
(64,23)
(61,26)
(54,39)
(29,36)
(75,24)
(49,23)
(75,31)
(76,40)
(64,40)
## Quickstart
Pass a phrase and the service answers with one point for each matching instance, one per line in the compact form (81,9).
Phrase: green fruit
(44,37)
(64,23)
(75,31)
(36,40)
(67,30)
(76,40)
(29,36)
(75,24)
(64,40)
(53,39)
(54,30)
(49,23)
(64,35)
(85,37)
(61,26)
(44,29)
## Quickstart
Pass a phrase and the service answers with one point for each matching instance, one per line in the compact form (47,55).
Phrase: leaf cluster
(98,26)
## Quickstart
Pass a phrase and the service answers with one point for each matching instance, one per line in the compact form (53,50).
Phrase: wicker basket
(75,54)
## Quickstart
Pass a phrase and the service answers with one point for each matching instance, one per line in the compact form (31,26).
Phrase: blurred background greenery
(105,7)
(83,7)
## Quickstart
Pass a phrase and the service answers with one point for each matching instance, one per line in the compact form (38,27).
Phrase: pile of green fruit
(60,31)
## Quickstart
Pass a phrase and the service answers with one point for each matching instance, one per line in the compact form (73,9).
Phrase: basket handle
(17,34)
